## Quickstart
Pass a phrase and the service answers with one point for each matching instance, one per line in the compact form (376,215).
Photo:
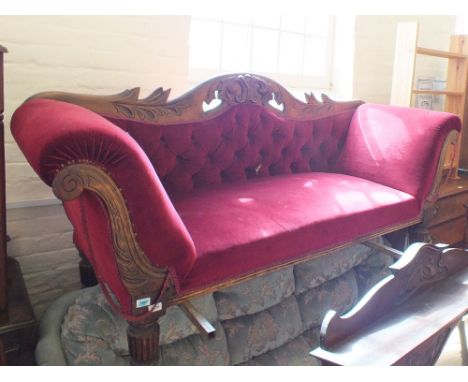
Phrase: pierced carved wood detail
(137,273)
(230,89)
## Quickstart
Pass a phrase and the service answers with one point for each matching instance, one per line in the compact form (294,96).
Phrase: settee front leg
(143,341)
(139,276)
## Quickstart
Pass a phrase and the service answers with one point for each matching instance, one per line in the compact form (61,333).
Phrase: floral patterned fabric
(294,353)
(270,320)
(253,335)
(197,350)
(372,270)
(255,295)
(313,273)
(339,294)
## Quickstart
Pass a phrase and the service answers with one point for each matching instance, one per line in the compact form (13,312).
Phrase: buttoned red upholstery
(246,190)
(246,142)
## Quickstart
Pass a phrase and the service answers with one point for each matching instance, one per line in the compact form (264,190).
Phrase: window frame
(301,81)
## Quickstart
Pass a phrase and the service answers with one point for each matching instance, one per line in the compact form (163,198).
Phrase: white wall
(343,58)
(87,54)
(375,48)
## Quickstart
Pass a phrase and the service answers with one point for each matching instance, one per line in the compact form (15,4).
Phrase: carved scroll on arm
(137,273)
(139,276)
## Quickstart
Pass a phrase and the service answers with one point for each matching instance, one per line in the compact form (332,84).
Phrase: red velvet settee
(172,199)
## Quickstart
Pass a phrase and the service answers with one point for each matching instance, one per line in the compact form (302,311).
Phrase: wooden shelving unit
(403,84)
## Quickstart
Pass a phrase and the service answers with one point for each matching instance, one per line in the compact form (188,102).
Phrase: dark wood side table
(446,220)
(18,326)
(406,318)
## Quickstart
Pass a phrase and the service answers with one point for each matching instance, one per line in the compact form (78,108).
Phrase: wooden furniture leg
(143,341)
(87,275)
(2,354)
(18,325)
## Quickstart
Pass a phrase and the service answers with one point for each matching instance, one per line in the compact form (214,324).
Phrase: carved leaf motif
(124,109)
(128,95)
(327,99)
(311,100)
(148,112)
(157,97)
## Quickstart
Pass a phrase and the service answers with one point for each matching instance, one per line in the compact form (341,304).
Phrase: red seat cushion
(243,227)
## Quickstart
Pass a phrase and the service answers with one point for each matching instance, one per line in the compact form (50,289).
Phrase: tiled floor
(453,355)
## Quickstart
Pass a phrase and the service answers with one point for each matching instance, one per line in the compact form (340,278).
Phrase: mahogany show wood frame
(139,276)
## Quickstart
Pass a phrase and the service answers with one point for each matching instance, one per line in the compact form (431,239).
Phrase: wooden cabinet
(3,265)
(18,325)
(445,221)
(404,83)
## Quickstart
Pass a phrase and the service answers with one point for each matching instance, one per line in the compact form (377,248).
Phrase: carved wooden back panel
(194,106)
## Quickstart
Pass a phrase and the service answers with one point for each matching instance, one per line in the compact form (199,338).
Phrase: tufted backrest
(245,142)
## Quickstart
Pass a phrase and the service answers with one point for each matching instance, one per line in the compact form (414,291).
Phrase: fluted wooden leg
(143,342)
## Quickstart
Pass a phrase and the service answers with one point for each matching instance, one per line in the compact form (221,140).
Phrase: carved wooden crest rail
(230,90)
